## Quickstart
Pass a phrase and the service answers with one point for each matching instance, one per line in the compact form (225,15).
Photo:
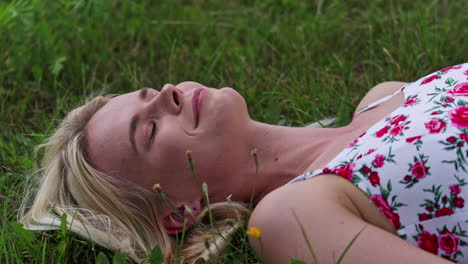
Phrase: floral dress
(413,163)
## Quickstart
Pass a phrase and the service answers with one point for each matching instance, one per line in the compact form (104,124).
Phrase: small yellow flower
(254,232)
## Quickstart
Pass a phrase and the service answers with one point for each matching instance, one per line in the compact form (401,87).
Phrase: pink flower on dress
(465,72)
(366,170)
(370,151)
(443,211)
(382,203)
(345,171)
(410,102)
(451,139)
(451,67)
(424,216)
(411,139)
(435,125)
(449,99)
(459,202)
(444,199)
(464,136)
(455,189)
(396,130)
(430,79)
(374,178)
(394,218)
(447,69)
(382,131)
(459,116)
(419,170)
(460,89)
(428,242)
(398,119)
(378,161)
(352,144)
(449,242)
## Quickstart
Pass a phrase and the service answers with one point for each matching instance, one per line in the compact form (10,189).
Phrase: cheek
(170,165)
(170,151)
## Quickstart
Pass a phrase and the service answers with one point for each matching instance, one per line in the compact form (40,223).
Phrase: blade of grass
(349,245)
(304,234)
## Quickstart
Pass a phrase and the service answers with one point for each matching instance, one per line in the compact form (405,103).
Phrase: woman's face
(143,137)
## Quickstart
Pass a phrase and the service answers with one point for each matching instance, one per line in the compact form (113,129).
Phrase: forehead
(108,133)
(122,102)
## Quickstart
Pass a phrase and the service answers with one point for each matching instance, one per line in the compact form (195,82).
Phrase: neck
(284,153)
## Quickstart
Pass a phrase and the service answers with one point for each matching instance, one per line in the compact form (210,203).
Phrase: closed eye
(153,132)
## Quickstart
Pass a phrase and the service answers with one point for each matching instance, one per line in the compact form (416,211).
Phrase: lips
(197,101)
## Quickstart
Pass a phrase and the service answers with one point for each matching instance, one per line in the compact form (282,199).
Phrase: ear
(174,221)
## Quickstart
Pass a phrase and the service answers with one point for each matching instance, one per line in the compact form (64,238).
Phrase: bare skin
(220,144)
(221,138)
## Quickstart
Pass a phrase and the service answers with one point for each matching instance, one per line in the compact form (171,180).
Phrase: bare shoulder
(319,212)
(279,214)
(326,188)
(379,91)
(321,183)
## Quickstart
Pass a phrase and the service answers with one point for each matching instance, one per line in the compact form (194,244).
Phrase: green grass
(293,61)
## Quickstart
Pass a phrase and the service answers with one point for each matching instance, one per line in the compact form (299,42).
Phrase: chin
(234,101)
(228,112)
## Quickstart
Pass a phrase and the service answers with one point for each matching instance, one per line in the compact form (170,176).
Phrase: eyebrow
(143,93)
(134,122)
(133,125)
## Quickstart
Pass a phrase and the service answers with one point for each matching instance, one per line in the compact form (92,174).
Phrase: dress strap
(378,102)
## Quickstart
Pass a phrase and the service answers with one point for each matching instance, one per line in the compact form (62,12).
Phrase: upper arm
(379,91)
(329,226)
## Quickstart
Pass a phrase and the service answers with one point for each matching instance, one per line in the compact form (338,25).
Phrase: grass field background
(293,61)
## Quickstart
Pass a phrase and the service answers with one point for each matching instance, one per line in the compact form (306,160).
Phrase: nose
(170,98)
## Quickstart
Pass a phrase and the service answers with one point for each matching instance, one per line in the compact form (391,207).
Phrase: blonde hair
(119,216)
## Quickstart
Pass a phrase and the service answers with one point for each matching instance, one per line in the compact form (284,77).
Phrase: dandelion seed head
(157,187)
(253,152)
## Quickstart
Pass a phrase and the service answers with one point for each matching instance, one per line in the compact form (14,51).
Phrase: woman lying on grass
(132,171)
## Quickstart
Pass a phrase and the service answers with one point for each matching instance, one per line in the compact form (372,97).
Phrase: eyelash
(153,131)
